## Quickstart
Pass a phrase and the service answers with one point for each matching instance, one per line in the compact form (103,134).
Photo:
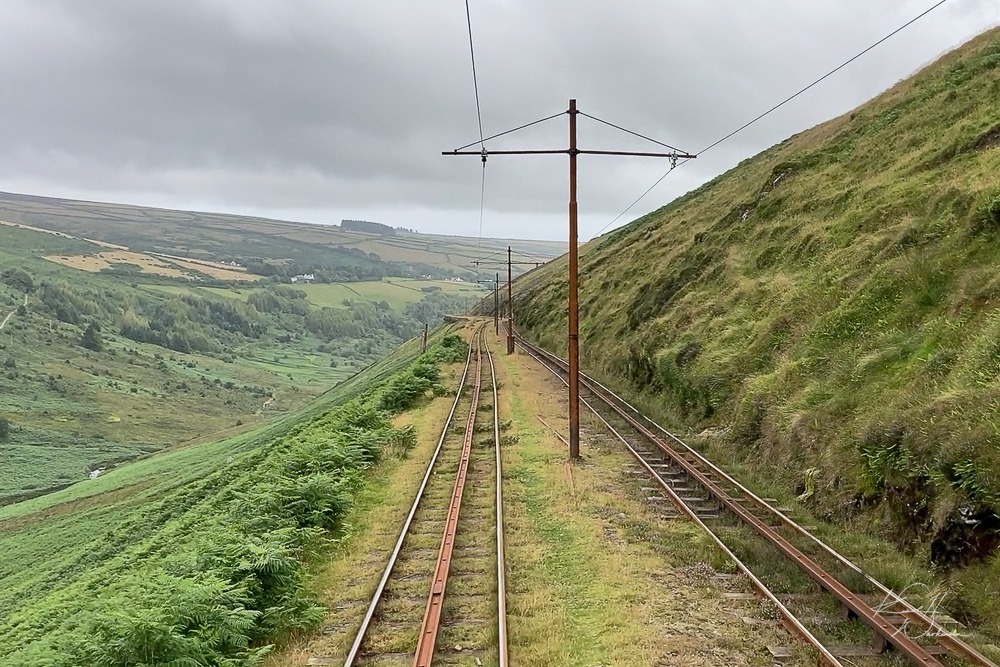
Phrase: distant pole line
(531,262)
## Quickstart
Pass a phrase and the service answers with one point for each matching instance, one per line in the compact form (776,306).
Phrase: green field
(397,292)
(191,554)
(832,308)
(192,349)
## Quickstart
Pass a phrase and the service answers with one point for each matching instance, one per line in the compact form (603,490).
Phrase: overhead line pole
(510,304)
(496,301)
(574,311)
(510,307)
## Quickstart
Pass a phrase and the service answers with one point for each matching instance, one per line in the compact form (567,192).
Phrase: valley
(181,348)
(239,441)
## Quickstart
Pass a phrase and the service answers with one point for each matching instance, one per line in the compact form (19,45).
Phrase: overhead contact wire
(479,116)
(475,78)
(511,131)
(482,208)
(778,106)
(628,131)
(640,197)
(822,78)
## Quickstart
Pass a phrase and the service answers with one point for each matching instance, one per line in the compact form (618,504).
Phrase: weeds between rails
(463,606)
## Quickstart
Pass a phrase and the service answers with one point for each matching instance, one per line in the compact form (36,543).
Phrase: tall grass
(211,568)
(835,301)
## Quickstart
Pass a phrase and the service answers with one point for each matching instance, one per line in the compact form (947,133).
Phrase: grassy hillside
(834,304)
(172,359)
(225,238)
(198,555)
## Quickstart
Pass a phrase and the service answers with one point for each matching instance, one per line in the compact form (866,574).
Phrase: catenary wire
(475,79)
(479,116)
(628,131)
(640,197)
(777,106)
(520,127)
(822,78)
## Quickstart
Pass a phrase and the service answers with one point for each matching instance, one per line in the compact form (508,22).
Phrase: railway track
(441,597)
(829,599)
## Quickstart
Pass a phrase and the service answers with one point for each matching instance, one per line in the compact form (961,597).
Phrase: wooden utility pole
(573,347)
(423,342)
(510,307)
(496,308)
(573,353)
(496,301)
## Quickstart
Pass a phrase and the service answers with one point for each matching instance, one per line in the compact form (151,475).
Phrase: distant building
(304,278)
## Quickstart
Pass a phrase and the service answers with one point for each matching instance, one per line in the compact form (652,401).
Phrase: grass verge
(597,578)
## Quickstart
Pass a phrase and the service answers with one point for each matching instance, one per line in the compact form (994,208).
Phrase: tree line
(191,323)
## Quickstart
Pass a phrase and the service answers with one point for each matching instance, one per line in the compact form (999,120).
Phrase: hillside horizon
(6,197)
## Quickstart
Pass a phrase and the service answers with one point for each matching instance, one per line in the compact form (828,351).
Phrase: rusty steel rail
(788,619)
(501,555)
(905,645)
(435,600)
(433,610)
(942,635)
(359,638)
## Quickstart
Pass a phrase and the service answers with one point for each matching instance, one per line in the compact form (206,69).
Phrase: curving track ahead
(461,614)
(699,490)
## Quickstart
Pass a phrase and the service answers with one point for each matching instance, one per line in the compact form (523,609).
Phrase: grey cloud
(317,107)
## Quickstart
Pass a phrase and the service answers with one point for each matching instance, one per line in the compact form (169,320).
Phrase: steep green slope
(197,556)
(835,303)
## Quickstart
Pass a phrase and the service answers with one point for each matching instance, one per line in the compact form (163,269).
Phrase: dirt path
(11,313)
(267,403)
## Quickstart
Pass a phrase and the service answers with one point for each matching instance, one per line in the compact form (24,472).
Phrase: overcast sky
(318,110)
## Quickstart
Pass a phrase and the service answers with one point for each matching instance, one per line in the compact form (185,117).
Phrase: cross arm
(555,151)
